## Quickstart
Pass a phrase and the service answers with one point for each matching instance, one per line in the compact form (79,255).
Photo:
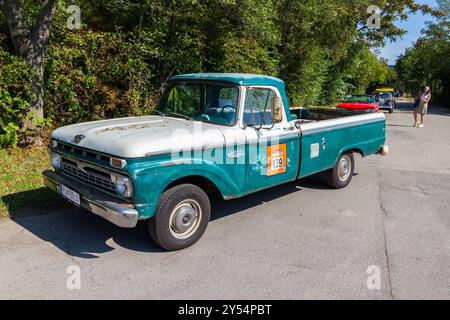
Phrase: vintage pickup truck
(211,134)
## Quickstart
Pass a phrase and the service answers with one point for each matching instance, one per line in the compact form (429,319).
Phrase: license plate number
(70,195)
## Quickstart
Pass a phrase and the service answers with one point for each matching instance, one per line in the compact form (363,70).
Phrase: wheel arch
(204,183)
(354,150)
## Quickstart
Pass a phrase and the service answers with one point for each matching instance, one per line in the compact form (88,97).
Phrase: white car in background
(385,101)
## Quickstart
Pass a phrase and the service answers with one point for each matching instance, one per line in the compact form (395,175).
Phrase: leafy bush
(15,96)
(91,76)
(126,50)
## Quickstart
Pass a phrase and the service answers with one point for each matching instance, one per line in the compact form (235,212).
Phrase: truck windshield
(215,103)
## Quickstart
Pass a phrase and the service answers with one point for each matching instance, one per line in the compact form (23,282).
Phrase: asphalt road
(298,241)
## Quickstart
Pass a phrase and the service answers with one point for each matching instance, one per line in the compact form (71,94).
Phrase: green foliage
(15,96)
(92,76)
(427,63)
(116,65)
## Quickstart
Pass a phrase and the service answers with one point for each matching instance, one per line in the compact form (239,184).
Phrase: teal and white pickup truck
(224,134)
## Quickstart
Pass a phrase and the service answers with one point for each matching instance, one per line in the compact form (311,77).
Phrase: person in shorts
(422,108)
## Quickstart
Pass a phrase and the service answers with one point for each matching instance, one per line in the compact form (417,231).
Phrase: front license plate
(70,195)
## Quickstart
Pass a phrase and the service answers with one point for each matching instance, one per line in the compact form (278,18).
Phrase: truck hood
(140,136)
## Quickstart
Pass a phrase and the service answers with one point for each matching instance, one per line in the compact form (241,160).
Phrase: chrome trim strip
(340,123)
(84,164)
(70,156)
(290,135)
(92,165)
(70,145)
(190,149)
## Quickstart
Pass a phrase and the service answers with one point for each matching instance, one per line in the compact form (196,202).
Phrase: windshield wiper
(179,115)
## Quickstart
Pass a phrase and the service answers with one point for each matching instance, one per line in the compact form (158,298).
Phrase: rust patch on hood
(125,128)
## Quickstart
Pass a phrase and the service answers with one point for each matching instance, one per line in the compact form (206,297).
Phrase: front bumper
(121,214)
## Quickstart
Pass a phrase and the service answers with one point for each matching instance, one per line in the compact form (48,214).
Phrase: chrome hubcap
(344,168)
(185,219)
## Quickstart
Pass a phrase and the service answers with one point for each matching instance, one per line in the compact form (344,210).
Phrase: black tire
(391,110)
(164,231)
(333,177)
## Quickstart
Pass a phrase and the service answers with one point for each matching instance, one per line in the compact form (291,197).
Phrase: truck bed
(318,114)
(327,133)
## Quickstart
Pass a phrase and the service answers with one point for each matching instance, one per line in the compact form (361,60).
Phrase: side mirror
(277,109)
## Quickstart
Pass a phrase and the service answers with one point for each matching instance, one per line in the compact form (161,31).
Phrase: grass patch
(21,186)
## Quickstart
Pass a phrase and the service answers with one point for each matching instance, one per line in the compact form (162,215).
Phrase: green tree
(428,61)
(29,41)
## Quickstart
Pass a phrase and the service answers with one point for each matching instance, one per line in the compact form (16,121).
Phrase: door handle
(291,128)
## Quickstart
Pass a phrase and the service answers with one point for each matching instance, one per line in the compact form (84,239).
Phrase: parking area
(301,240)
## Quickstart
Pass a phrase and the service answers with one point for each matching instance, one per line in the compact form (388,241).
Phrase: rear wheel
(181,217)
(342,173)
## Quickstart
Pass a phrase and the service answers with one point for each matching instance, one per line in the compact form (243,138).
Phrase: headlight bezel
(124,188)
(56,160)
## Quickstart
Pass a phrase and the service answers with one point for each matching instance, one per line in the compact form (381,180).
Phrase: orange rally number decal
(276,159)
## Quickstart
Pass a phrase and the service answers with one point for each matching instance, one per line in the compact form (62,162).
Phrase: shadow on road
(221,208)
(84,235)
(32,202)
(398,125)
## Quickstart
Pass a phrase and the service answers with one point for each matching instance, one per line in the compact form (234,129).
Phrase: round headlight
(56,160)
(122,186)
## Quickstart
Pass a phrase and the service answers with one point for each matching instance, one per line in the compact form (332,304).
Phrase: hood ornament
(78,138)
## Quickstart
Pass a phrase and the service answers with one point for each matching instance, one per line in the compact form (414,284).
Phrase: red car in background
(360,103)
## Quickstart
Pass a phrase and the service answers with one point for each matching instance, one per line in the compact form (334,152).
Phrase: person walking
(422,108)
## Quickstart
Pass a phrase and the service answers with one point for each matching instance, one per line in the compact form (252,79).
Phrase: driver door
(272,147)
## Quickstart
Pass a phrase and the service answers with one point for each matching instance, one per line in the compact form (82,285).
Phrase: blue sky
(413,26)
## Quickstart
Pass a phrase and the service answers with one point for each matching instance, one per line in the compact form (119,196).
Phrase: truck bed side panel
(322,142)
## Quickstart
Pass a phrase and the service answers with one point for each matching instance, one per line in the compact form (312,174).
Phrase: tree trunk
(29,43)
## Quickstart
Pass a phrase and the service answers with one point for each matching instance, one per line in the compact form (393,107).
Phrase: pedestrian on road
(422,108)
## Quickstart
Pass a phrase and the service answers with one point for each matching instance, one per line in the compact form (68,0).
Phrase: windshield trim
(202,81)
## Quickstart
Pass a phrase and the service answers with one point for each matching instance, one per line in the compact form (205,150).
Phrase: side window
(258,106)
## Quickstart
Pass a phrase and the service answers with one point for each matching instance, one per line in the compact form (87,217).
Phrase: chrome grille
(89,175)
(80,152)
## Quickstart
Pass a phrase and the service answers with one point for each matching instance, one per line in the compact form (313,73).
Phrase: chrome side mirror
(277,109)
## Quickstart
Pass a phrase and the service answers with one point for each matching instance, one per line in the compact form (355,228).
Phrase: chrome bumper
(119,213)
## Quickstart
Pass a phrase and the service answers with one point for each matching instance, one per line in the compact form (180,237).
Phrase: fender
(151,179)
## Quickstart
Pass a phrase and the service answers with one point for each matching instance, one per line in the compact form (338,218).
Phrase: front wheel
(342,173)
(181,217)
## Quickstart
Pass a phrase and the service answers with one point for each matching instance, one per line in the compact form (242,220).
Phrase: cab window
(258,107)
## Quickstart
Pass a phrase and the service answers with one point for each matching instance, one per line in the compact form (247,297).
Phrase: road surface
(298,241)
